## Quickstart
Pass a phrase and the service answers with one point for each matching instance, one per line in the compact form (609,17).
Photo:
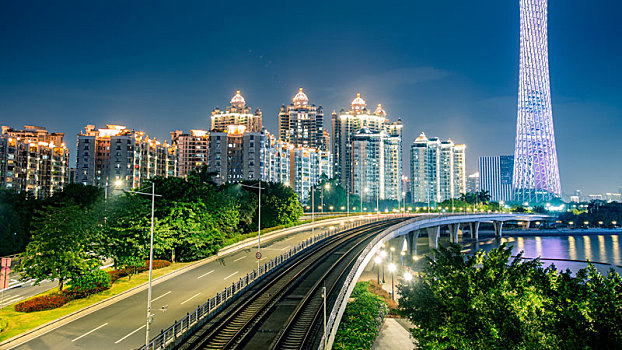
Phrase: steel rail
(234,326)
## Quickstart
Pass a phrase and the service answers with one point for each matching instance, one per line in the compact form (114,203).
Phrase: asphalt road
(122,325)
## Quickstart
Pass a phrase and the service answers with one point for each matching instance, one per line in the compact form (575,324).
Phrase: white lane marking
(187,300)
(122,339)
(231,275)
(89,332)
(285,247)
(163,295)
(205,274)
(238,259)
(10,300)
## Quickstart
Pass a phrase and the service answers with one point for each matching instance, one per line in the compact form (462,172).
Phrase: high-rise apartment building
(368,180)
(308,165)
(238,113)
(536,172)
(346,124)
(302,124)
(496,177)
(472,184)
(192,150)
(33,161)
(105,156)
(437,170)
(235,154)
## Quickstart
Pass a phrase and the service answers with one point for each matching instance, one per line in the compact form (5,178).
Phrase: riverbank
(555,232)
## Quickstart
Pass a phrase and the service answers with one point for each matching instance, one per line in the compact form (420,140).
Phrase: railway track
(283,312)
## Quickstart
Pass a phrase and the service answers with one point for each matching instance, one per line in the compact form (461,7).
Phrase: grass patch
(19,322)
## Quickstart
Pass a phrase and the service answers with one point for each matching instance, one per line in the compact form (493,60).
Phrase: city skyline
(66,86)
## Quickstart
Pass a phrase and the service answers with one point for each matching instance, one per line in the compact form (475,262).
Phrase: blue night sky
(449,68)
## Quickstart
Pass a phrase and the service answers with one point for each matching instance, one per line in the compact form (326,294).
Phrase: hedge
(81,287)
(361,320)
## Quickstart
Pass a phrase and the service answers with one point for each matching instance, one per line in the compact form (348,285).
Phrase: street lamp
(153,195)
(408,276)
(258,255)
(117,183)
(383,255)
(392,268)
(378,260)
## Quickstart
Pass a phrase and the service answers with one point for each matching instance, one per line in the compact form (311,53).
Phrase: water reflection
(572,248)
(616,250)
(588,247)
(538,246)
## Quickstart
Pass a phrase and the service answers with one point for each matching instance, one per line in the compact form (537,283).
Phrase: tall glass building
(536,173)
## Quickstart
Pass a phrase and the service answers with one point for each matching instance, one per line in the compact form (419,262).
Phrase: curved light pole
(149,318)
(258,220)
(378,260)
(392,268)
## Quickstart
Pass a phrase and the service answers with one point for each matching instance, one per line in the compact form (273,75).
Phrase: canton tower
(536,174)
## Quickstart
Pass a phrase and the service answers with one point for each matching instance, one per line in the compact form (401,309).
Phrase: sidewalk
(394,335)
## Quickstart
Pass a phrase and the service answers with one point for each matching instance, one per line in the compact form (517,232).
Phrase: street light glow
(408,276)
(392,267)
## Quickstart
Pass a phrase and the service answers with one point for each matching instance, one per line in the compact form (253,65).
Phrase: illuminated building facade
(192,150)
(536,172)
(308,166)
(302,124)
(437,169)
(33,161)
(472,184)
(105,156)
(236,114)
(235,154)
(276,161)
(496,177)
(346,124)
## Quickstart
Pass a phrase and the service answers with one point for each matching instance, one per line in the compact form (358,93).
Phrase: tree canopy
(489,301)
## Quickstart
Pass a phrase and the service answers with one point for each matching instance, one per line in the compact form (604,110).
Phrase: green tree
(489,301)
(126,233)
(60,245)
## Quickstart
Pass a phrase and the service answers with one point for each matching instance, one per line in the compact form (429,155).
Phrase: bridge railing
(183,328)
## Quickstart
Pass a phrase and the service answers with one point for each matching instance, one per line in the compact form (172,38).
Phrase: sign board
(4,272)
(258,255)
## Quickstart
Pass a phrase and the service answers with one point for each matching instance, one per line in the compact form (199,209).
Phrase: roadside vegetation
(490,301)
(66,237)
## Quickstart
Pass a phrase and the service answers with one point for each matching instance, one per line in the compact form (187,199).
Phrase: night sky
(449,68)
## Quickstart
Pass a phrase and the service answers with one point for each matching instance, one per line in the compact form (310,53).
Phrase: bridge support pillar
(413,237)
(433,234)
(498,225)
(474,228)
(453,232)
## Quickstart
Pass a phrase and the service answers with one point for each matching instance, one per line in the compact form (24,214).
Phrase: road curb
(59,322)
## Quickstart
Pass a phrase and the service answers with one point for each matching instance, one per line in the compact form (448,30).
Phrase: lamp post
(348,199)
(116,183)
(327,187)
(258,220)
(378,260)
(383,255)
(392,269)
(149,319)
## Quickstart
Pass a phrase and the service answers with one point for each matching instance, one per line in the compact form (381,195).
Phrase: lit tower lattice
(536,174)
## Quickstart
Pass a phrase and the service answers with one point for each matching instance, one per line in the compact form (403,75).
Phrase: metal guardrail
(184,327)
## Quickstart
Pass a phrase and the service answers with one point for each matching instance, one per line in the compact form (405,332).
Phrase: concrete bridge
(432,225)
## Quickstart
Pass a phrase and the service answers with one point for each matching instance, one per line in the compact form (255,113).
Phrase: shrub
(361,321)
(89,283)
(92,280)
(116,274)
(157,264)
(45,302)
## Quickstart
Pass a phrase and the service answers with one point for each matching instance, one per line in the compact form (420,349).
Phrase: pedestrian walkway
(394,335)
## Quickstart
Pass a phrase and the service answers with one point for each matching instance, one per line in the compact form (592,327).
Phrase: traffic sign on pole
(258,255)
